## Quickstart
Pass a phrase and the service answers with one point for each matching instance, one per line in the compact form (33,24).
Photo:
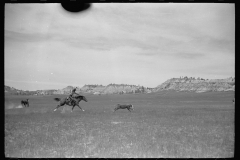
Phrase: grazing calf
(25,103)
(124,106)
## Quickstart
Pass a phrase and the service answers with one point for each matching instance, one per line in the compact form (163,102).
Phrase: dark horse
(69,102)
(124,106)
(25,103)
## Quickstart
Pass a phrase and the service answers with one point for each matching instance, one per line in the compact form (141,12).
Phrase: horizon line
(181,77)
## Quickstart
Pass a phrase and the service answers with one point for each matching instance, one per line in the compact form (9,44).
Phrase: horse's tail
(57,99)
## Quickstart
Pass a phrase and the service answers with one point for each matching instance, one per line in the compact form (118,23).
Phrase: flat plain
(166,124)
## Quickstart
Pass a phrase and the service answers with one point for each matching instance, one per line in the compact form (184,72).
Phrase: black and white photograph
(119,80)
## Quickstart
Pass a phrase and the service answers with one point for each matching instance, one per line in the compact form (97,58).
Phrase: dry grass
(153,130)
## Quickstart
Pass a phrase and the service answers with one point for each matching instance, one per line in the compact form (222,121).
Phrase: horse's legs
(115,109)
(80,107)
(129,109)
(57,107)
(73,107)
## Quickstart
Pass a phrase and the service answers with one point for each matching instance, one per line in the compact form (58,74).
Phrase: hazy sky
(139,43)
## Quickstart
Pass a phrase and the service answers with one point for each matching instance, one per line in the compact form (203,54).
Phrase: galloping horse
(25,103)
(69,102)
(124,106)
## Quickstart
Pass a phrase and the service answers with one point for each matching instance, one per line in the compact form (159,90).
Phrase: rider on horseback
(71,97)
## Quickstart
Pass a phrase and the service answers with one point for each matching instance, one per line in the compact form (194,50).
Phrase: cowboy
(71,97)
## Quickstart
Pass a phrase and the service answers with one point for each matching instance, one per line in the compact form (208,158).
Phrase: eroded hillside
(197,85)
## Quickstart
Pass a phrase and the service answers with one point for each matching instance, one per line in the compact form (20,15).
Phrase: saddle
(71,100)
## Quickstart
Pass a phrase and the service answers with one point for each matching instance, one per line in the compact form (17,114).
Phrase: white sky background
(141,44)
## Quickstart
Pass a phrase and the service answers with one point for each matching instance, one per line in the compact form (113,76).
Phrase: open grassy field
(165,124)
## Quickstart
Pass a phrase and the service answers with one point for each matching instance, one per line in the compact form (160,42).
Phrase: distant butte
(178,84)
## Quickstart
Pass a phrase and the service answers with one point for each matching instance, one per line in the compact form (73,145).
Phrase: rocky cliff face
(177,84)
(114,89)
(121,88)
(66,90)
(197,85)
(92,88)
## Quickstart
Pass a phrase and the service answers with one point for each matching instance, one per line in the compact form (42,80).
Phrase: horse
(124,106)
(69,102)
(25,103)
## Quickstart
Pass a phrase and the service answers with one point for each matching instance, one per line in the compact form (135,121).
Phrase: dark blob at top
(75,6)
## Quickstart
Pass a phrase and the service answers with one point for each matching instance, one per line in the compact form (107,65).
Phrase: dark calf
(124,106)
(25,103)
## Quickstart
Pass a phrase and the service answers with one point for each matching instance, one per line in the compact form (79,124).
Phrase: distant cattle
(124,106)
(233,100)
(25,103)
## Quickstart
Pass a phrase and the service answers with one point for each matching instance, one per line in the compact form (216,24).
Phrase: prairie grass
(158,130)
